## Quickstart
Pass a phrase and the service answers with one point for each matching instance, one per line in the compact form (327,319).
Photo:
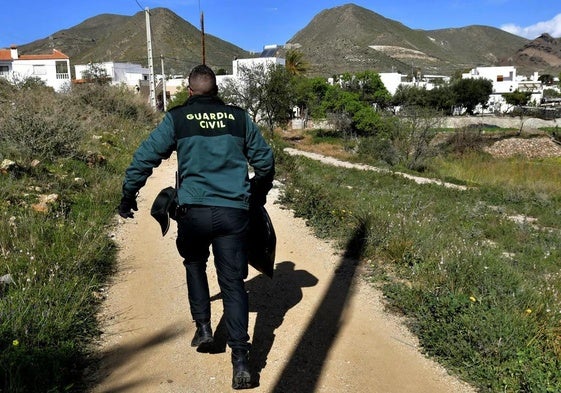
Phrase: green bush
(403,140)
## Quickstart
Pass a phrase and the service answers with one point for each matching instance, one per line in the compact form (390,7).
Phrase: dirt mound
(540,147)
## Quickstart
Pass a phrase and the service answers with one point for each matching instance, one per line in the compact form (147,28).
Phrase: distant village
(55,71)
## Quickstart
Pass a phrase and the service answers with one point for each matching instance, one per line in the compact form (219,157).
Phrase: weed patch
(479,288)
(57,201)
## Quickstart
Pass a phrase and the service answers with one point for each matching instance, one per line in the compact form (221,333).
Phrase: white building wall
(44,70)
(237,65)
(120,73)
(391,81)
(505,80)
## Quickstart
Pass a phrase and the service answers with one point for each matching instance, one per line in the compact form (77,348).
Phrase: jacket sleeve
(260,157)
(158,146)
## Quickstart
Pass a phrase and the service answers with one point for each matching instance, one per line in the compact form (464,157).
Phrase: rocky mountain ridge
(346,38)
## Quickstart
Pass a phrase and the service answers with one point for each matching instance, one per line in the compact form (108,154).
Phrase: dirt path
(317,327)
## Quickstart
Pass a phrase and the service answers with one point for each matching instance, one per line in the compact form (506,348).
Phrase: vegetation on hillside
(475,272)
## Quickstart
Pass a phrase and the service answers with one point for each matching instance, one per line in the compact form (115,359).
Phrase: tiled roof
(55,55)
(5,54)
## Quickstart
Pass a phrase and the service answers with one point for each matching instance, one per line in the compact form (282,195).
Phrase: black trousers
(226,230)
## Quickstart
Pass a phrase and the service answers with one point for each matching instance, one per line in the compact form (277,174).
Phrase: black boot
(241,378)
(203,334)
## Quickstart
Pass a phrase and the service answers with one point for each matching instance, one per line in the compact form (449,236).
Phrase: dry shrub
(38,124)
(466,139)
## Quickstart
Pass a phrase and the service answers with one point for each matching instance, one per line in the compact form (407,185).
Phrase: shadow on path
(304,368)
(271,300)
(119,358)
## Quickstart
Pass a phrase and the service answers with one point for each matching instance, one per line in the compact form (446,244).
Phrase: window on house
(500,78)
(4,70)
(39,70)
(61,67)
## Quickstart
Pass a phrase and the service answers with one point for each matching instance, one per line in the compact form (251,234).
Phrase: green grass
(59,259)
(536,175)
(480,290)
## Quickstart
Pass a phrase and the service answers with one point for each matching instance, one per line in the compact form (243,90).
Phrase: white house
(392,80)
(267,58)
(128,74)
(53,68)
(505,80)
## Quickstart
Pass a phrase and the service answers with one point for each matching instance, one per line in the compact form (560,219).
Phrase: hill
(542,54)
(346,38)
(109,37)
(352,38)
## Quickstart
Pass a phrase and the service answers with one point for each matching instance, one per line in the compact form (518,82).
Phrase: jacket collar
(204,99)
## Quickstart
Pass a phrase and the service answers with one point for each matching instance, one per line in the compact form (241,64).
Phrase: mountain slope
(542,54)
(349,38)
(110,37)
(470,46)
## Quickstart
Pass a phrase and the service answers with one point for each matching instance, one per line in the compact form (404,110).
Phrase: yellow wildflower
(473,299)
(15,343)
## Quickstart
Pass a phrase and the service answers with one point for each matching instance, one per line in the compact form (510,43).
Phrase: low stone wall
(503,122)
(451,122)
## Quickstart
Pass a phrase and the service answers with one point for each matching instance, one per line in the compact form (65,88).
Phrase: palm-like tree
(295,62)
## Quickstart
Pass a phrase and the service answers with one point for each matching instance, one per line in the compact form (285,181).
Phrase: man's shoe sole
(242,380)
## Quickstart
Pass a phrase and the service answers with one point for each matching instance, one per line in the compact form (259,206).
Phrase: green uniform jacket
(214,144)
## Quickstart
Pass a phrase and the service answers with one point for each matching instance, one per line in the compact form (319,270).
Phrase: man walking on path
(214,144)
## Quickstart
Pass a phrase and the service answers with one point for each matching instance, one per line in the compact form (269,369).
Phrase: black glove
(126,206)
(258,190)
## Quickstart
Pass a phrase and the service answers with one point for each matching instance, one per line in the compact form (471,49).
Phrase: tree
(551,93)
(441,99)
(308,93)
(96,73)
(295,63)
(247,90)
(410,96)
(470,92)
(518,99)
(343,104)
(546,79)
(181,96)
(277,98)
(264,91)
(372,89)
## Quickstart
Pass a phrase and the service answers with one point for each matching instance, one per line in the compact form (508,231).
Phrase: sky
(253,24)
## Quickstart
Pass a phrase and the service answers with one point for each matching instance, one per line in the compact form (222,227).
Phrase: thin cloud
(552,27)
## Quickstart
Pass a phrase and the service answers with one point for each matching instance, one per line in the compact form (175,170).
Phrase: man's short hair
(202,80)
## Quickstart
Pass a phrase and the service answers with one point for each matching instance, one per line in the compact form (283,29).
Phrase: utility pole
(150,59)
(164,98)
(203,36)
